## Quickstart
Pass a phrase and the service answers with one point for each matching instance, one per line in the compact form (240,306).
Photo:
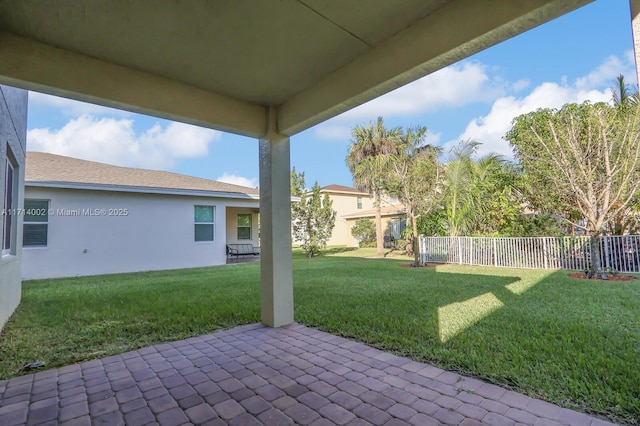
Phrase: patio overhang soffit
(222,64)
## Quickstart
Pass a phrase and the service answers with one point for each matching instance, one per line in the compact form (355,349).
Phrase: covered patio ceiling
(223,63)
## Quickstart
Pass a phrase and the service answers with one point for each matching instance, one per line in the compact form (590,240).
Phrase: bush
(534,226)
(364,231)
(430,225)
(367,244)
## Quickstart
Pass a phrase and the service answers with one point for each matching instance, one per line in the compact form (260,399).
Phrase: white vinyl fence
(621,253)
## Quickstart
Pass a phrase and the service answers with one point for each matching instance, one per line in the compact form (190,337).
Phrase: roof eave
(358,216)
(330,191)
(140,189)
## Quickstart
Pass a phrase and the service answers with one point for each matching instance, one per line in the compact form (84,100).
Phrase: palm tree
(368,159)
(493,182)
(464,198)
(621,94)
(457,194)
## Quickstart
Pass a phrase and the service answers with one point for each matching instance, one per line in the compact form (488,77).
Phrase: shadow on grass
(435,305)
(336,250)
(328,251)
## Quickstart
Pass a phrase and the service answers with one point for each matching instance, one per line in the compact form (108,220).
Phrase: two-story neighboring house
(352,204)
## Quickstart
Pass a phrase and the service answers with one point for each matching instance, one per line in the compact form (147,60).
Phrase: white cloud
(238,180)
(520,85)
(332,131)
(630,57)
(450,87)
(605,73)
(433,139)
(453,86)
(70,107)
(115,141)
(490,128)
(594,87)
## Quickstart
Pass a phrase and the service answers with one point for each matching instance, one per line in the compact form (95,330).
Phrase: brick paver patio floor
(257,375)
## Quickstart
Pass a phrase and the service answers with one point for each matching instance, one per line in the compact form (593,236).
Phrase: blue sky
(572,59)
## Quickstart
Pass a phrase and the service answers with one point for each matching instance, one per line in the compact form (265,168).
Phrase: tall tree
(297,183)
(368,159)
(539,194)
(590,154)
(312,217)
(413,178)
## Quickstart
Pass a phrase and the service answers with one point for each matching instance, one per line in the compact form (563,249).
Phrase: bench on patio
(237,250)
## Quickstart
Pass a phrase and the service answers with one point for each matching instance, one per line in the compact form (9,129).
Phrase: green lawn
(572,342)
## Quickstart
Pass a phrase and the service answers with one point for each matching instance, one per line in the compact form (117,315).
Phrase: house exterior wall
(350,240)
(343,204)
(232,226)
(346,204)
(156,233)
(13,143)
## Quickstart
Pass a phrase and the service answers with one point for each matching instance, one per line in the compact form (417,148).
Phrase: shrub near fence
(621,253)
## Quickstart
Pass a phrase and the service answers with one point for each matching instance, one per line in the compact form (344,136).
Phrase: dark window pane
(6,232)
(204,214)
(204,232)
(244,233)
(36,210)
(35,234)
(244,220)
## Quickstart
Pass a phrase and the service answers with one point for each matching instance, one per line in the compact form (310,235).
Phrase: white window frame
(359,203)
(196,223)
(25,223)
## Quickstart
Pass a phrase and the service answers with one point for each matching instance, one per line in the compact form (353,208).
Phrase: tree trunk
(416,251)
(379,232)
(594,243)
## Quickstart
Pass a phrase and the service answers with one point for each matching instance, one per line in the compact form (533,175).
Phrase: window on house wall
(8,207)
(396,226)
(244,226)
(35,227)
(359,201)
(204,218)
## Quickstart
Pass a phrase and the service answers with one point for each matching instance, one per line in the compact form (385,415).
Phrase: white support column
(635,30)
(276,274)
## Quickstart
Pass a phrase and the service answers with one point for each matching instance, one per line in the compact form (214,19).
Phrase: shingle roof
(44,167)
(341,188)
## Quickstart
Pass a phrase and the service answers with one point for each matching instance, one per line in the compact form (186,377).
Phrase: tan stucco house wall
(352,204)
